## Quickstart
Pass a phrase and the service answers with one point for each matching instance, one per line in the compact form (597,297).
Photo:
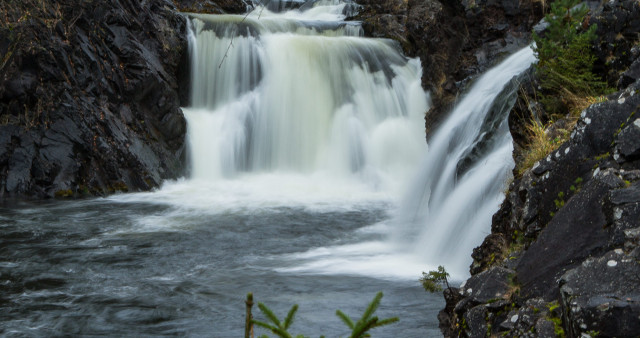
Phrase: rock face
(569,226)
(89,96)
(455,40)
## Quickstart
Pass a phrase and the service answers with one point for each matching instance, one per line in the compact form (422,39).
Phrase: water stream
(308,184)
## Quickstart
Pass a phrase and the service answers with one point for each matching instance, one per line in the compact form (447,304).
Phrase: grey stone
(560,246)
(603,295)
(628,141)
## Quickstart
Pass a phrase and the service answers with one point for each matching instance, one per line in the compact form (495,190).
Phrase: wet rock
(476,322)
(545,328)
(490,285)
(603,295)
(447,317)
(616,47)
(632,74)
(487,254)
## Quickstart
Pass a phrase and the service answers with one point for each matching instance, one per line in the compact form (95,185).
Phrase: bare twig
(233,36)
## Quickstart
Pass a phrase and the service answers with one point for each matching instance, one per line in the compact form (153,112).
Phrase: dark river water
(125,267)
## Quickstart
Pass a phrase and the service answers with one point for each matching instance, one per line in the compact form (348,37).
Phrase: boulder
(628,141)
(603,295)
(577,231)
(491,285)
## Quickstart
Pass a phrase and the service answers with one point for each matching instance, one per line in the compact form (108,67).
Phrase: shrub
(565,57)
(435,279)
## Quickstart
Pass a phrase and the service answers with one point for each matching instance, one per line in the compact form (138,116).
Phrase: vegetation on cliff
(565,77)
(569,223)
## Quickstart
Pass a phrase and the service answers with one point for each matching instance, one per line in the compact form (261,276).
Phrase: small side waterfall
(463,176)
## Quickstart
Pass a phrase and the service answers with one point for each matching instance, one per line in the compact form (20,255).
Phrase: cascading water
(301,93)
(463,176)
(448,208)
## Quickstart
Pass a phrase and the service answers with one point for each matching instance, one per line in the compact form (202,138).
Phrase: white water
(447,210)
(296,110)
(300,97)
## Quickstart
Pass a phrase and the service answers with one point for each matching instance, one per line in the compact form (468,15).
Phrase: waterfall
(462,178)
(459,186)
(295,109)
(301,92)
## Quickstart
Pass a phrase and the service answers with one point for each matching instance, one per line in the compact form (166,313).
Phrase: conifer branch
(345,319)
(290,316)
(267,312)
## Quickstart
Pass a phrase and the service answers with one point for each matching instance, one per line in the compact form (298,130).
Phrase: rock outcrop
(568,229)
(213,6)
(455,40)
(89,95)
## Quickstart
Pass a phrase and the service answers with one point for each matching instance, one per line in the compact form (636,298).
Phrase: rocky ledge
(563,258)
(89,98)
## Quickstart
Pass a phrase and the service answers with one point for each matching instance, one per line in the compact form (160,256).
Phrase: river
(309,183)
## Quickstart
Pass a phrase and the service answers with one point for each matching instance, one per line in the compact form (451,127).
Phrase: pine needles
(435,279)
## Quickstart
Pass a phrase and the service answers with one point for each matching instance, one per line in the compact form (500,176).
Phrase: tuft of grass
(541,144)
(538,147)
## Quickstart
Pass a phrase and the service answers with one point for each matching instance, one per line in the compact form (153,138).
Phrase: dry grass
(543,140)
(539,146)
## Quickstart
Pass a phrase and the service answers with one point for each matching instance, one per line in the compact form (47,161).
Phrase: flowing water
(305,186)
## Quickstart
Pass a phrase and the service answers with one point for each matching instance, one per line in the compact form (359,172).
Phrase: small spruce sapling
(565,56)
(434,280)
(278,327)
(367,322)
(359,329)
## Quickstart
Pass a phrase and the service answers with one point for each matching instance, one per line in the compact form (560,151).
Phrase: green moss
(63,193)
(118,187)
(554,317)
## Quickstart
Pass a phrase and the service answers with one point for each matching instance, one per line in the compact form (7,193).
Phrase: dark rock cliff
(455,40)
(564,255)
(89,95)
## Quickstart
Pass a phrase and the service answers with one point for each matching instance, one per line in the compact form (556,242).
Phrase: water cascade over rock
(301,92)
(464,174)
